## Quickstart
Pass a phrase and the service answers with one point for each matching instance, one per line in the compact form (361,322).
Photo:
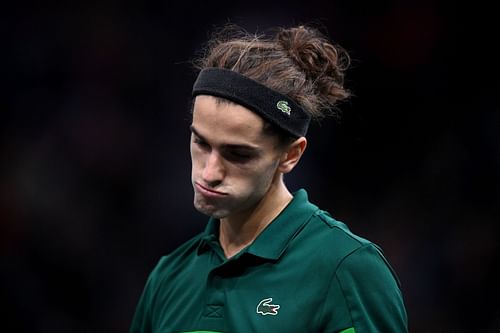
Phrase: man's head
(242,143)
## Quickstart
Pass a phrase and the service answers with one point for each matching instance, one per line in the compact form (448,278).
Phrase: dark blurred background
(95,169)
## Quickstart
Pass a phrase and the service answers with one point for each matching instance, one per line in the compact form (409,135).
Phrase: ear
(292,155)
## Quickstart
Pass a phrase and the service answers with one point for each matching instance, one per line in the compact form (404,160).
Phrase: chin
(219,214)
(216,213)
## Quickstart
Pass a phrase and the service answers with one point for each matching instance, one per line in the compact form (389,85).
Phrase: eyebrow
(227,145)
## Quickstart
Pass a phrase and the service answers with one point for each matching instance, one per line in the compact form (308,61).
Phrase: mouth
(208,192)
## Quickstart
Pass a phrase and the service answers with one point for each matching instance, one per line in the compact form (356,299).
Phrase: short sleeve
(366,290)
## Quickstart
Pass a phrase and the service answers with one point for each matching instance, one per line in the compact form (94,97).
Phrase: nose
(213,172)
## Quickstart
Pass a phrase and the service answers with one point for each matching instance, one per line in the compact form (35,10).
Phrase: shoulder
(342,249)
(332,236)
(168,264)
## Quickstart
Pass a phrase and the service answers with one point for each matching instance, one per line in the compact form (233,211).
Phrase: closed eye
(199,142)
(237,153)
(238,156)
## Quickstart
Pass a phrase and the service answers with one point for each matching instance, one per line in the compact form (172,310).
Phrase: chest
(243,296)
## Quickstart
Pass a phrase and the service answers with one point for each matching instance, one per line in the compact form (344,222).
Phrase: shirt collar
(274,239)
(210,235)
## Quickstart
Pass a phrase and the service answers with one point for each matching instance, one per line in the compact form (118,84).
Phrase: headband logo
(283,107)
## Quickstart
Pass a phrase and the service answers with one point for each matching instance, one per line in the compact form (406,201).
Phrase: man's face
(233,162)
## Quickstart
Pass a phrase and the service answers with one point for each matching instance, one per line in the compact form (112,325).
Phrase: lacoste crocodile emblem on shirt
(266,308)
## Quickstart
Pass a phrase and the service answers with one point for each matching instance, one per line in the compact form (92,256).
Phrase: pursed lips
(208,192)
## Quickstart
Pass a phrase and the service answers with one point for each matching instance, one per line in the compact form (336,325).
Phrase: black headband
(277,108)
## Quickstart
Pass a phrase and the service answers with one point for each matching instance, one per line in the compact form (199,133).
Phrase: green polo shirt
(306,272)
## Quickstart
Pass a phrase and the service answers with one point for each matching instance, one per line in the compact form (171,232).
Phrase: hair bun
(320,61)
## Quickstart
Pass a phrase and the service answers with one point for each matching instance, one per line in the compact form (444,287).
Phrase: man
(268,260)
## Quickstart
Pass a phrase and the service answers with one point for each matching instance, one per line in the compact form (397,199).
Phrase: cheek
(256,177)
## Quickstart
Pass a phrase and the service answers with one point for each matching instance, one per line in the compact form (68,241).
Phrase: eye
(238,156)
(200,143)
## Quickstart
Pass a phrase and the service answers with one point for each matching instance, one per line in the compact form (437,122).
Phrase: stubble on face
(236,202)
(217,211)
(244,183)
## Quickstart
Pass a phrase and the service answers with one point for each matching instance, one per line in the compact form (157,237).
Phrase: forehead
(221,121)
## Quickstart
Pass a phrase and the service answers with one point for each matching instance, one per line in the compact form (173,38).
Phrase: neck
(240,230)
